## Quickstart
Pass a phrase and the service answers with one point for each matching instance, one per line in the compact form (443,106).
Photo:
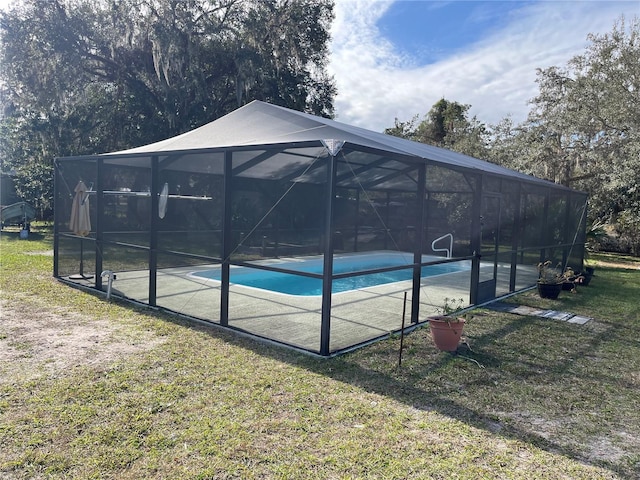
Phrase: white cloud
(5,4)
(376,83)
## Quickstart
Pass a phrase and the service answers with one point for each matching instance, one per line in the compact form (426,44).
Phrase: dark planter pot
(585,279)
(446,332)
(568,286)
(549,290)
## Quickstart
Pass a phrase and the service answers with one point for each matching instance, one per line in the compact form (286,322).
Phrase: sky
(395,59)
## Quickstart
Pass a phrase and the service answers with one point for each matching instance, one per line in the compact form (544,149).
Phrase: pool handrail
(448,250)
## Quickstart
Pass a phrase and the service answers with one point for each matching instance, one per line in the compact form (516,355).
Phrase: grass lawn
(96,389)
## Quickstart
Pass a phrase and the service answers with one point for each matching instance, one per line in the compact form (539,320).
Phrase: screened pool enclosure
(303,230)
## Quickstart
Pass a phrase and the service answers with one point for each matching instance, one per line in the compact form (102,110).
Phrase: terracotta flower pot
(446,332)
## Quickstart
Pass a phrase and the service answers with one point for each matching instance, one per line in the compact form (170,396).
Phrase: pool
(291,284)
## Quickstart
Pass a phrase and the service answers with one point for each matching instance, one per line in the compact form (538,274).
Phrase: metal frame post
(476,242)
(226,237)
(99,221)
(357,222)
(417,249)
(153,230)
(567,234)
(327,278)
(544,236)
(56,218)
(516,238)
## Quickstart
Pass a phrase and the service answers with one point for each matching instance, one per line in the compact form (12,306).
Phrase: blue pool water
(298,285)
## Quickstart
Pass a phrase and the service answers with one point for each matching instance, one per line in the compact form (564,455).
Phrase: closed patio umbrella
(80,222)
(162,202)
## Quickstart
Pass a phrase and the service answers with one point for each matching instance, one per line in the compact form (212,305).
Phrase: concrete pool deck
(356,317)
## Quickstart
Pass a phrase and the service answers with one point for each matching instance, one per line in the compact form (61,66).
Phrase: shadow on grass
(521,374)
(14,235)
(551,384)
(494,398)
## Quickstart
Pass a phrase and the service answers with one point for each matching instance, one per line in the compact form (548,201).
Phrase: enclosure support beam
(99,221)
(567,235)
(56,218)
(387,230)
(515,238)
(226,238)
(545,240)
(153,233)
(357,222)
(419,240)
(476,241)
(327,279)
(583,231)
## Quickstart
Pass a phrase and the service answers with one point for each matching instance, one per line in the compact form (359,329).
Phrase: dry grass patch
(40,341)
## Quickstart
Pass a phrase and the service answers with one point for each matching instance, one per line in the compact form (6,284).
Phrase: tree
(583,130)
(407,130)
(89,76)
(283,45)
(446,125)
(443,120)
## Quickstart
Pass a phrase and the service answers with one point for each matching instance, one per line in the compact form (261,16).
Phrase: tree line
(91,76)
(582,131)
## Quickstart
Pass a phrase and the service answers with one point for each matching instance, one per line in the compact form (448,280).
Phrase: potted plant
(446,329)
(583,279)
(589,270)
(570,279)
(550,280)
(595,235)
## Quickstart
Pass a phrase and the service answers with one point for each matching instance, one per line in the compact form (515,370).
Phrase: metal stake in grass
(404,311)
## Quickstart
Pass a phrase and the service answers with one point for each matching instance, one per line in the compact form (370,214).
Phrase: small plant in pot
(446,329)
(589,270)
(570,279)
(584,278)
(550,280)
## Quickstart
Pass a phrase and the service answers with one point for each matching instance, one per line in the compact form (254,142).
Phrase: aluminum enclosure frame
(398,177)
